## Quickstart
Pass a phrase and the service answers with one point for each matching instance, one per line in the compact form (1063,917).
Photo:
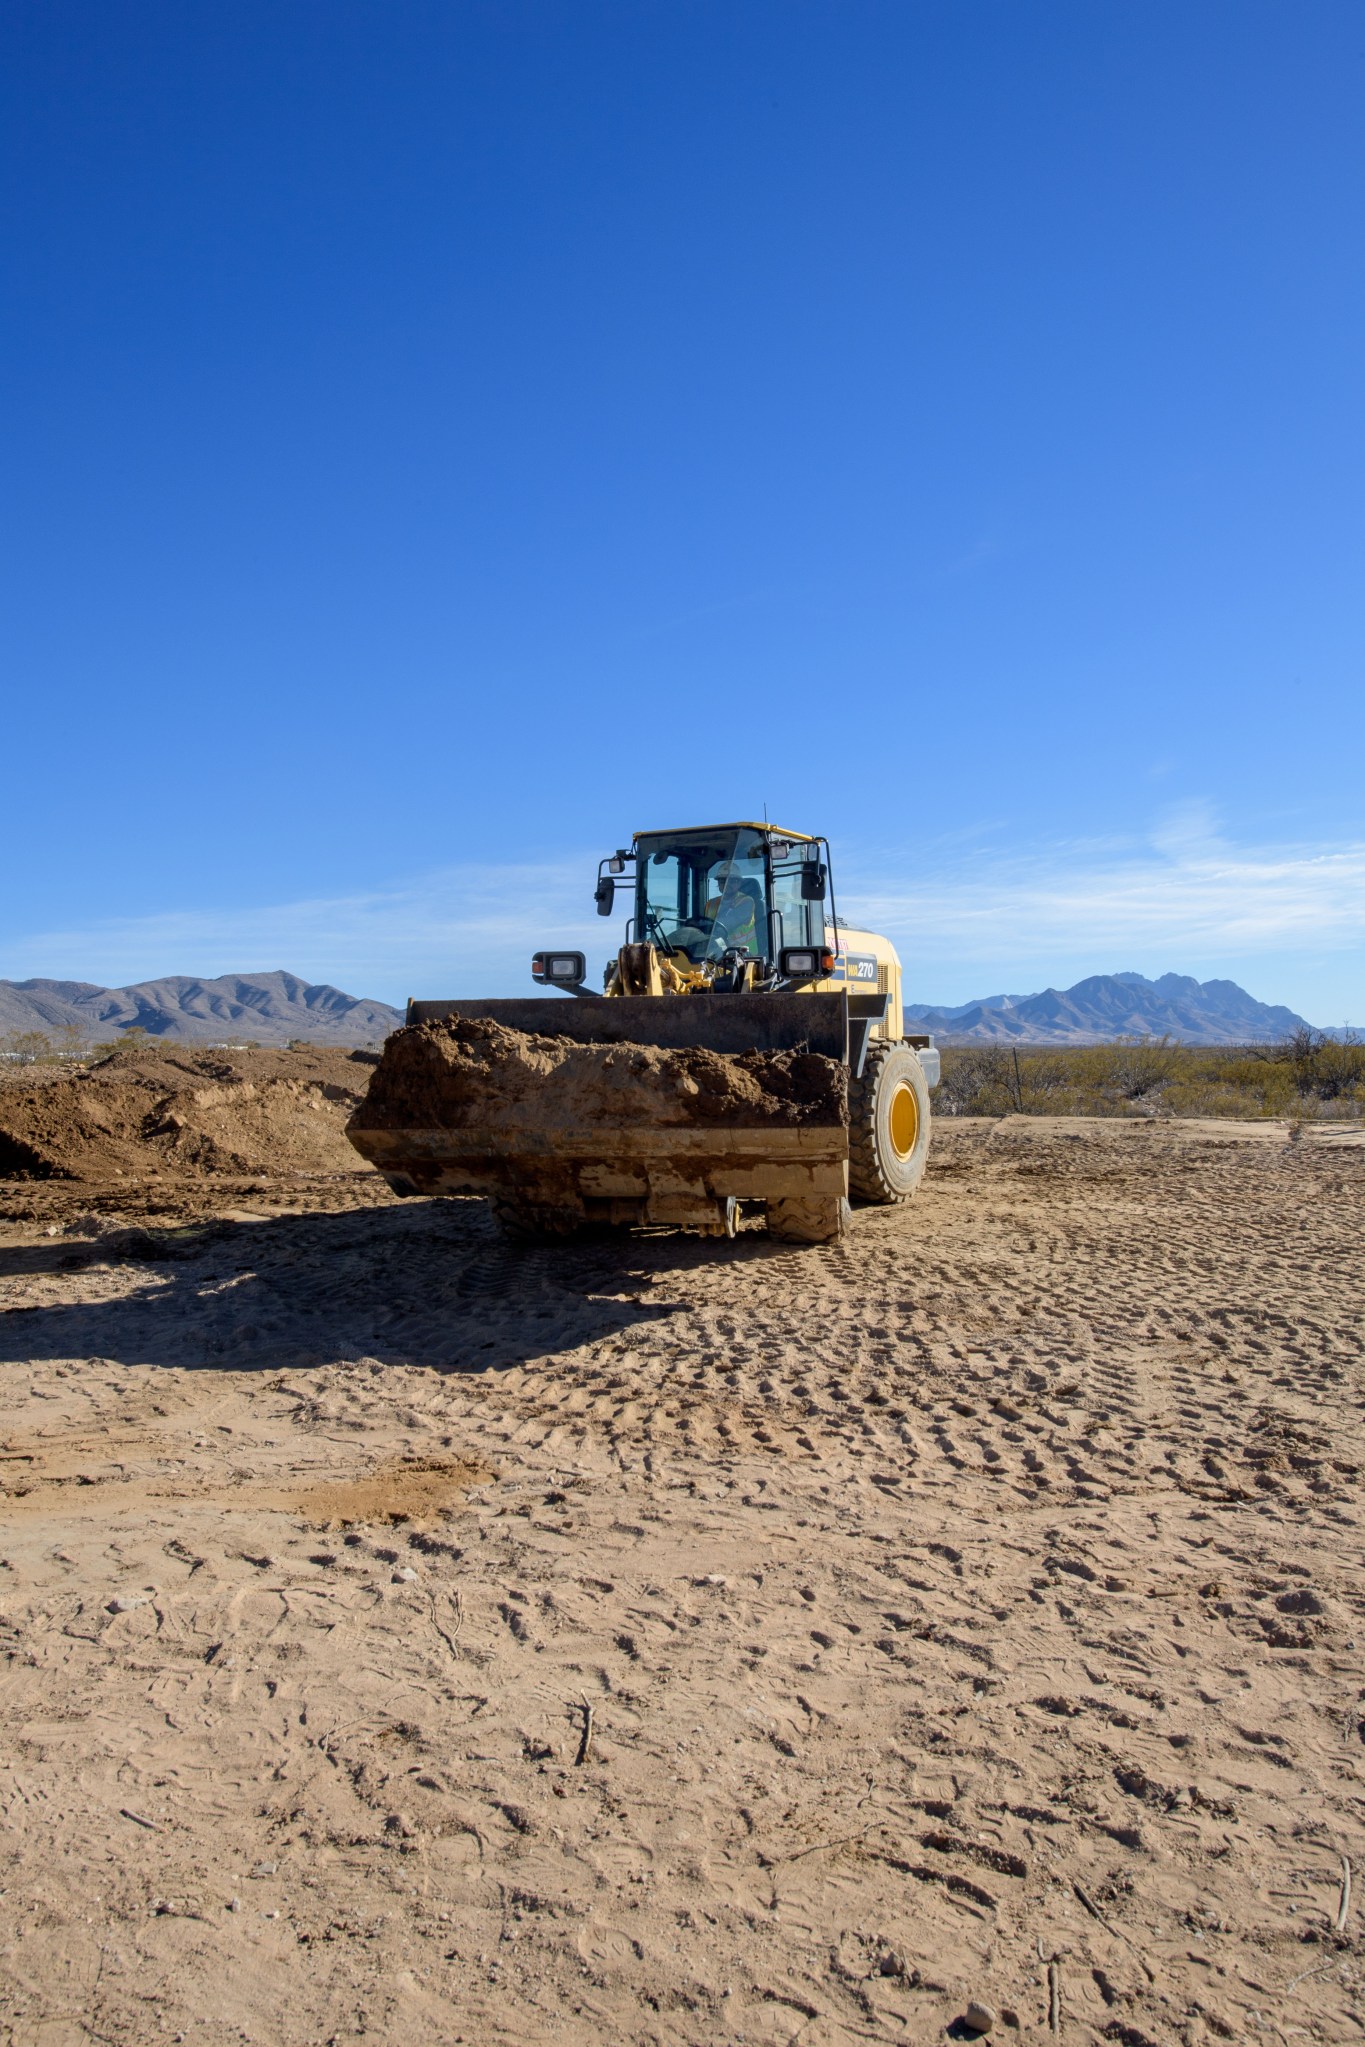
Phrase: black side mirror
(604,895)
(813,882)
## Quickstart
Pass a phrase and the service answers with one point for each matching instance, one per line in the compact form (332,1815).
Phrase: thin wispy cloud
(468,928)
(1188,892)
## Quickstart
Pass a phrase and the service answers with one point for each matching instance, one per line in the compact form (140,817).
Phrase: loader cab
(715,889)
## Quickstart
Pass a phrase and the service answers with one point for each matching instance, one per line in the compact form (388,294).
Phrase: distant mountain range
(1109,1006)
(268,1009)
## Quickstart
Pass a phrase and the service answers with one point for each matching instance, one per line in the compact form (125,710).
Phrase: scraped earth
(411,1638)
(185,1112)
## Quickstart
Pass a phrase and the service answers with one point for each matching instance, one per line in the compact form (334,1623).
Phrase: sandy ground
(410,1639)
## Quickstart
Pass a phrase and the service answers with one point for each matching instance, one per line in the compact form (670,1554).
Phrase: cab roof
(743,824)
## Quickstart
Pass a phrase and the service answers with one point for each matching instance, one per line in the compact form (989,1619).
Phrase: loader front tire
(808,1219)
(888,1125)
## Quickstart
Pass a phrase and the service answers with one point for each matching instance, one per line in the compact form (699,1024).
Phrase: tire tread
(866,1173)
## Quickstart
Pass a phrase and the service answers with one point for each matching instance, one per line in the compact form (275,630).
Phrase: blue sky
(440,439)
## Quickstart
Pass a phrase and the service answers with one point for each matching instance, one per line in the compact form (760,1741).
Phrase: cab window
(703,894)
(795,921)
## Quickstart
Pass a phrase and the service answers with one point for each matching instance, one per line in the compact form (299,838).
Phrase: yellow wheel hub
(904,1121)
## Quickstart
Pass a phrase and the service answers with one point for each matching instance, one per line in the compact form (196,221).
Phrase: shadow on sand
(430,1283)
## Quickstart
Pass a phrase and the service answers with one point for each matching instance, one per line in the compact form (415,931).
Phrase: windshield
(703,893)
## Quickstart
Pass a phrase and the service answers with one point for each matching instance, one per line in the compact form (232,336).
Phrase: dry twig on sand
(1344,1901)
(585,1739)
(814,1847)
(1110,1927)
(450,1635)
(1322,1969)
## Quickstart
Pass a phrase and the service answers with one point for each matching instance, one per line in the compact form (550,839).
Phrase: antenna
(765,813)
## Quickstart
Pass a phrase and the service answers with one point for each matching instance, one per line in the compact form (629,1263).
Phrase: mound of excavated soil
(457,1074)
(177,1111)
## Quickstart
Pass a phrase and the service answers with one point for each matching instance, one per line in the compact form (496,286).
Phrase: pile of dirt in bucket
(465,1071)
(173,1110)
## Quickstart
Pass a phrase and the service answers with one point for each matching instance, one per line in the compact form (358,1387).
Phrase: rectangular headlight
(799,963)
(562,969)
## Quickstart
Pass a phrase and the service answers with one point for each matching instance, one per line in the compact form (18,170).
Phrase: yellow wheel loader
(745,1053)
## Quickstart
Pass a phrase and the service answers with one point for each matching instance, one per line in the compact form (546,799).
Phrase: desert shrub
(24,1048)
(135,1038)
(1306,1076)
(1325,1069)
(1244,1090)
(1138,1068)
(42,1048)
(1045,1076)
(978,1080)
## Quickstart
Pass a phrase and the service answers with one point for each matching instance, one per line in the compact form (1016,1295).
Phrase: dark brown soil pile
(176,1111)
(459,1074)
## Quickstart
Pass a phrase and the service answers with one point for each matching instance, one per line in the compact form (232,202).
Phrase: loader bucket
(638,1109)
